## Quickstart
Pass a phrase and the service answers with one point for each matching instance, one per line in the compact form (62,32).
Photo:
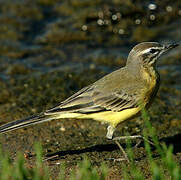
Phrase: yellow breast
(152,84)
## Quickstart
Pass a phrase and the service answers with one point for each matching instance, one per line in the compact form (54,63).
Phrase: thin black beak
(171,46)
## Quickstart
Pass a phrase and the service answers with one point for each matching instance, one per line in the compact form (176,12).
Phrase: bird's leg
(132,137)
(110,132)
(109,135)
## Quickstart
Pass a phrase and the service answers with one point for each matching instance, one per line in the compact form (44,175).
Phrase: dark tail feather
(26,122)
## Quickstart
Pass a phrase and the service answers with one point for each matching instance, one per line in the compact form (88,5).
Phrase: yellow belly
(110,117)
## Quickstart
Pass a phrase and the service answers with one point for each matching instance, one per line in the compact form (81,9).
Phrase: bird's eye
(153,51)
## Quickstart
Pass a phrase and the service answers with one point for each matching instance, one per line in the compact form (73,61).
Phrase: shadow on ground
(172,140)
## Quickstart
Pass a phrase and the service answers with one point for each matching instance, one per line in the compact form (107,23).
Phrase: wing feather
(90,101)
(111,93)
(117,101)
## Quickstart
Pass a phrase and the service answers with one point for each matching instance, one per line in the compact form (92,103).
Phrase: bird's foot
(125,158)
(123,151)
(132,138)
(117,159)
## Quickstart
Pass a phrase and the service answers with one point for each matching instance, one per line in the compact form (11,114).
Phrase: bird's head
(147,53)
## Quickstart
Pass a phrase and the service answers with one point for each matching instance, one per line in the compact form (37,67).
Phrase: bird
(114,98)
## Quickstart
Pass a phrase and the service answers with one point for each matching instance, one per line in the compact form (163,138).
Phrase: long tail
(26,122)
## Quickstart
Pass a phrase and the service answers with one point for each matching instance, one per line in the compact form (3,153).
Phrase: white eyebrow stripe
(148,50)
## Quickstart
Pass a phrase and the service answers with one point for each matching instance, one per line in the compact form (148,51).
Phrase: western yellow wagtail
(114,98)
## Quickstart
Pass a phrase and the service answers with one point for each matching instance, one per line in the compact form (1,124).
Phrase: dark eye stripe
(153,51)
(149,57)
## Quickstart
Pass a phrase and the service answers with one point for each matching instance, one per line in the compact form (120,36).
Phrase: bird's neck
(151,70)
(138,69)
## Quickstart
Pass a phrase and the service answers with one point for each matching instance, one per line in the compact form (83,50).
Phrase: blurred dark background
(81,40)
